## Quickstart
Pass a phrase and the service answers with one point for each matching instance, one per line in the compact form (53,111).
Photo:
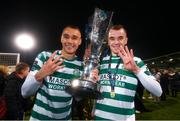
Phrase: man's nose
(70,40)
(116,41)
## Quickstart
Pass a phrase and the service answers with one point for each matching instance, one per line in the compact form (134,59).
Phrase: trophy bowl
(84,88)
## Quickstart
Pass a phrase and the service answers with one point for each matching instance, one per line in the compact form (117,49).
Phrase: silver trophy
(85,86)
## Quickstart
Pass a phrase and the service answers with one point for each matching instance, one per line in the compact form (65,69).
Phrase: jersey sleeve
(31,85)
(147,79)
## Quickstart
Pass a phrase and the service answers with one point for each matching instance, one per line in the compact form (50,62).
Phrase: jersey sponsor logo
(56,87)
(105,80)
(117,83)
(56,80)
(114,76)
(57,83)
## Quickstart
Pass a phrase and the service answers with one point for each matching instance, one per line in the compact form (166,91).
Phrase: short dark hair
(72,26)
(20,67)
(118,27)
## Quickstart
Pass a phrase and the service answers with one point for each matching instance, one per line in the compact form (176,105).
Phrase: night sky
(152,27)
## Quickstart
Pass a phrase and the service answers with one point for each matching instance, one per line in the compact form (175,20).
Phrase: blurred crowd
(10,92)
(169,80)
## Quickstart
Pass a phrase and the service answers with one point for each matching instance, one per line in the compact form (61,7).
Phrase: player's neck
(113,54)
(67,55)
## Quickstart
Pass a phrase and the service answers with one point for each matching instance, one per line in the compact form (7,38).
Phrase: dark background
(152,26)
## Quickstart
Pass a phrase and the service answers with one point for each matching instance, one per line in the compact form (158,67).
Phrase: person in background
(15,101)
(119,75)
(139,105)
(164,82)
(157,74)
(173,79)
(3,75)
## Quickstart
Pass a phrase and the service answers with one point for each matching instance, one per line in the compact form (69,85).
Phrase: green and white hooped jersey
(120,107)
(52,102)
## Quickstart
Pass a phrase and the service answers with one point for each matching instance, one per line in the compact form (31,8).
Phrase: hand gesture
(49,67)
(128,59)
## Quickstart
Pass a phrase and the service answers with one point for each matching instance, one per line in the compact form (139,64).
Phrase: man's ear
(126,41)
(80,41)
(61,39)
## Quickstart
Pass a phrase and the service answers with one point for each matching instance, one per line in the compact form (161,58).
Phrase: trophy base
(83,88)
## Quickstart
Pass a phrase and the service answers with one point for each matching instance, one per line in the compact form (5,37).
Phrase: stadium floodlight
(24,41)
(170,59)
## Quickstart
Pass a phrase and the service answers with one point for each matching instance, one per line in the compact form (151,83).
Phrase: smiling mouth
(115,47)
(69,46)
